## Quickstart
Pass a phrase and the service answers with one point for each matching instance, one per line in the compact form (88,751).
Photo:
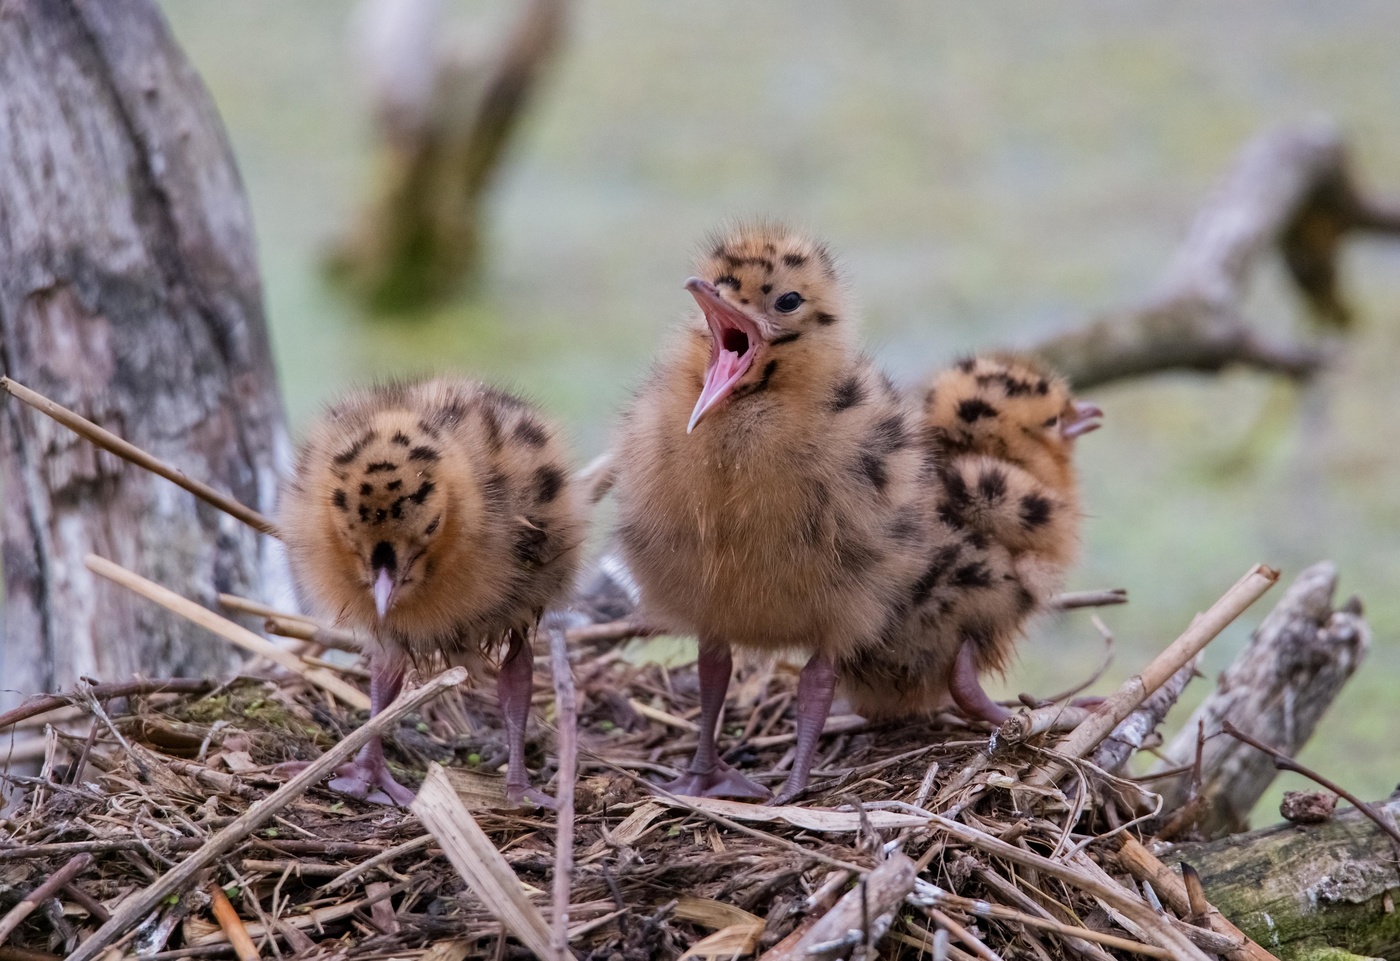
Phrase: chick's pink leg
(708,775)
(966,688)
(368,775)
(815,689)
(514,687)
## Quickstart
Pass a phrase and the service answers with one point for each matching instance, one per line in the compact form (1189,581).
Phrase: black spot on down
(1035,511)
(974,409)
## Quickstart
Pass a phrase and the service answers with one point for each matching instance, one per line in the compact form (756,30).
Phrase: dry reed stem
(298,630)
(566,723)
(1115,896)
(130,452)
(50,886)
(231,924)
(964,935)
(1143,865)
(986,909)
(479,863)
(229,631)
(175,880)
(246,605)
(1136,689)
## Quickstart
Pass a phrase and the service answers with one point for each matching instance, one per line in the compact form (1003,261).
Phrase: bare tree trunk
(129,292)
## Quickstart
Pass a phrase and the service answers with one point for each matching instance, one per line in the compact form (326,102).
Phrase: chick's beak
(735,342)
(1086,418)
(383,592)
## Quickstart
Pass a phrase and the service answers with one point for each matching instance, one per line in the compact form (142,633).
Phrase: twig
(382,858)
(1285,763)
(973,943)
(1073,600)
(229,631)
(139,905)
(1076,941)
(1143,865)
(246,605)
(130,452)
(1137,688)
(302,630)
(1024,725)
(609,631)
(883,891)
(566,723)
(479,863)
(1115,896)
(43,703)
(42,893)
(1277,689)
(231,924)
(1129,736)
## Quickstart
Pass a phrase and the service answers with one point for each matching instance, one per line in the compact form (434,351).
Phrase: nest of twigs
(914,839)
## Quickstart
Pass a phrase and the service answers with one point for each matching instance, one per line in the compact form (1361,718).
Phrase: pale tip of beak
(383,587)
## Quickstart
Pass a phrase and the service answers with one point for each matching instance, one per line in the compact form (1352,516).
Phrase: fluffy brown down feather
(470,488)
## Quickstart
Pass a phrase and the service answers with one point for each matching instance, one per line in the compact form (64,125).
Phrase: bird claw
(372,783)
(719,781)
(520,795)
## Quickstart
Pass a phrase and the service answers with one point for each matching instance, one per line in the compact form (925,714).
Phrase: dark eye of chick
(788,302)
(1051,422)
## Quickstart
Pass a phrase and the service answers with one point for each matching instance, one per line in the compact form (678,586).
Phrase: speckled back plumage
(467,484)
(807,513)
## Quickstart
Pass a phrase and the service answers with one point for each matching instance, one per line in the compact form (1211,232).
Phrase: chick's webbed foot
(721,780)
(366,778)
(370,782)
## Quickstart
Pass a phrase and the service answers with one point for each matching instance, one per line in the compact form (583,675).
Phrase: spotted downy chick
(777,493)
(1007,426)
(439,519)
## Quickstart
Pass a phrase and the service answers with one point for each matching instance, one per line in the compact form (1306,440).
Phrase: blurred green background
(991,172)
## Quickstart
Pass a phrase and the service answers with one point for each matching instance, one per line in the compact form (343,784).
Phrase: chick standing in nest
(777,493)
(438,518)
(1006,426)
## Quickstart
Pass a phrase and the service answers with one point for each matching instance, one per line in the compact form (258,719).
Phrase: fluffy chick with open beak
(1006,426)
(439,519)
(773,491)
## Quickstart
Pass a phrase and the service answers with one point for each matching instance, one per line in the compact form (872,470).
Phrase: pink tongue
(726,366)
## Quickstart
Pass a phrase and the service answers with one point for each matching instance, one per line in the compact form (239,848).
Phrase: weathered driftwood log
(1290,191)
(128,291)
(445,119)
(1276,690)
(1301,892)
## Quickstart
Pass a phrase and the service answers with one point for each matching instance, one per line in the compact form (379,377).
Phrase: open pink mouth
(735,341)
(1086,418)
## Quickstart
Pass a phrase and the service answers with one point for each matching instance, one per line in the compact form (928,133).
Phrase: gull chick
(777,493)
(438,519)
